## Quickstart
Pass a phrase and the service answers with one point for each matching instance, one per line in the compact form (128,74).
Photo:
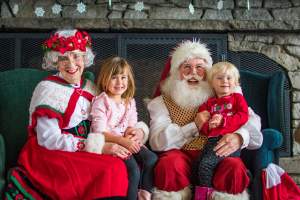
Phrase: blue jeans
(140,168)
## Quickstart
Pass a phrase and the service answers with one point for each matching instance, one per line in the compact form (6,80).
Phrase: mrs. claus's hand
(115,150)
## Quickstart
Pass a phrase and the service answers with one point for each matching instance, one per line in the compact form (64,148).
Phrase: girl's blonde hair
(223,67)
(113,66)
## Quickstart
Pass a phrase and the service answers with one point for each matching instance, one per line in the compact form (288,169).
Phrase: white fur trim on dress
(145,128)
(49,93)
(225,196)
(184,194)
(189,49)
(94,143)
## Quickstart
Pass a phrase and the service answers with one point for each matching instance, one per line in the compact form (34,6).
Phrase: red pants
(173,170)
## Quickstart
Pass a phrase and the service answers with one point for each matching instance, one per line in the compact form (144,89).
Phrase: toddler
(222,114)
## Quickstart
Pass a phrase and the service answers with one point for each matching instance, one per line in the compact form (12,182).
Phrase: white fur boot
(225,196)
(184,194)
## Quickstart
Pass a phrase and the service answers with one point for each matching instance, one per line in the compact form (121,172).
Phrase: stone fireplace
(267,27)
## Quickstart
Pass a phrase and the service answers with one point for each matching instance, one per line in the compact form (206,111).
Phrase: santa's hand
(201,118)
(228,144)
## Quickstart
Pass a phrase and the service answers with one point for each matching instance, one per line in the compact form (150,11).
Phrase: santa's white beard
(185,95)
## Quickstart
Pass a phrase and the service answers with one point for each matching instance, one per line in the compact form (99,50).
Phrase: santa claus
(174,130)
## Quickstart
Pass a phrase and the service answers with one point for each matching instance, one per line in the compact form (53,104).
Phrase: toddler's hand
(201,118)
(215,121)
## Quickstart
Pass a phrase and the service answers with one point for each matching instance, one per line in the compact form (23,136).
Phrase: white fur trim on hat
(145,128)
(94,143)
(190,49)
(184,194)
(225,196)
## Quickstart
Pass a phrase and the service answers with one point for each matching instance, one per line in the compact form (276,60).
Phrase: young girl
(114,114)
(222,114)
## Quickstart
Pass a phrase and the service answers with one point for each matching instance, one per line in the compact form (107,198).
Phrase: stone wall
(270,27)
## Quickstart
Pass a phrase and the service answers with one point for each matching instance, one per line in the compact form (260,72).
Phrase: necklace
(81,101)
(82,106)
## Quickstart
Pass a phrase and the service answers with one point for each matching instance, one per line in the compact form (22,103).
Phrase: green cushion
(276,104)
(263,93)
(266,89)
(255,89)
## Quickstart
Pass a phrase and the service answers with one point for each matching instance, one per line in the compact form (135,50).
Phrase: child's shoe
(203,193)
(144,195)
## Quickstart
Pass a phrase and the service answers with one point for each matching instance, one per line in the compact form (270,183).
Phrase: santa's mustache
(193,77)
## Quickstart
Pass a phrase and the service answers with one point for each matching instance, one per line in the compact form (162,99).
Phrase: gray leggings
(208,161)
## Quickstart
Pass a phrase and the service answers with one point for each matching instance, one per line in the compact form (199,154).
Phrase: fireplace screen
(147,54)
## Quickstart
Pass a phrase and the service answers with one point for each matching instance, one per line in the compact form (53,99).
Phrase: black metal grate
(21,50)
(104,46)
(7,52)
(32,52)
(147,67)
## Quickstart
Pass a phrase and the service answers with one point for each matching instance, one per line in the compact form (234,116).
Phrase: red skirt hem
(73,175)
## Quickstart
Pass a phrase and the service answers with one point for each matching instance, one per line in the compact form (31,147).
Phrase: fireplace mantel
(148,25)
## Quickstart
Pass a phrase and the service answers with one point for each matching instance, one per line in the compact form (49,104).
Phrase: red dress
(54,174)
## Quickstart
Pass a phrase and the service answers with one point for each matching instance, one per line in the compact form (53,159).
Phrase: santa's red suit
(174,134)
(278,185)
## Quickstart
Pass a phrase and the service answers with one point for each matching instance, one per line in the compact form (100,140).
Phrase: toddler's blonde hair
(223,67)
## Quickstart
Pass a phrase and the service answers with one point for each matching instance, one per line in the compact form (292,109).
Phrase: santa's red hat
(278,185)
(231,180)
(185,50)
(164,75)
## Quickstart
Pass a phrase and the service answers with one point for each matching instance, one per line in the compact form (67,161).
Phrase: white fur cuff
(94,143)
(225,196)
(144,127)
(184,194)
